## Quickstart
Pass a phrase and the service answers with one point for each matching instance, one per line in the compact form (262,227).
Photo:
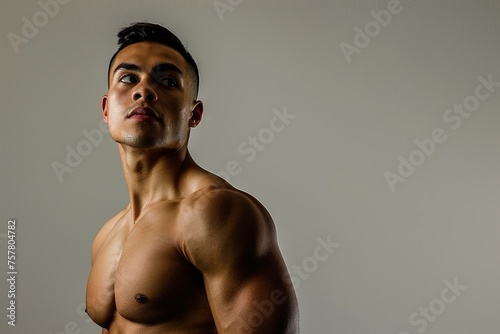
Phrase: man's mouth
(143,113)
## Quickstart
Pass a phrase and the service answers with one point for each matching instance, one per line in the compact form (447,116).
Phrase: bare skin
(189,254)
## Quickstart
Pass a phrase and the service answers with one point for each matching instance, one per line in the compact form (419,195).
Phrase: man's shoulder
(220,216)
(221,200)
(103,233)
(110,223)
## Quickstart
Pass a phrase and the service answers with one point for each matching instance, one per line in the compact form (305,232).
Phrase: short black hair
(149,32)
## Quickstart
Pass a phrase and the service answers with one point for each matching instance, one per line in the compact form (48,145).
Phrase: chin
(140,142)
(151,143)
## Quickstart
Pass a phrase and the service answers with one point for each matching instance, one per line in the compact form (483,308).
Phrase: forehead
(147,55)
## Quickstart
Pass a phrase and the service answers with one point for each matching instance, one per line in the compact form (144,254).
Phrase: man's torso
(141,280)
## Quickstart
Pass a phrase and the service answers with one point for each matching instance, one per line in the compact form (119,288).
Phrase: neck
(152,176)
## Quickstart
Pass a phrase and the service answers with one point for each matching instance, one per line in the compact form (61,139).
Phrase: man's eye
(128,79)
(168,82)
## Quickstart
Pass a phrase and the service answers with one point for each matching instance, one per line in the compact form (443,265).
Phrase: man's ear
(104,108)
(196,114)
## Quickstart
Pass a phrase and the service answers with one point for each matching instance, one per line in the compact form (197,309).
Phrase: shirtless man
(189,254)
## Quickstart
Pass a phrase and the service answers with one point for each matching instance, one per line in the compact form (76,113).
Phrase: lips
(143,113)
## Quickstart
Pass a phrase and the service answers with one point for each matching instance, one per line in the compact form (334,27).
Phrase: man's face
(149,102)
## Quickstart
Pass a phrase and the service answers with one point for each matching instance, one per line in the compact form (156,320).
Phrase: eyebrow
(163,67)
(128,67)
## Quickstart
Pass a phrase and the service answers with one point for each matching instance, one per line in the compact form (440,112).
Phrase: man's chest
(151,273)
(150,278)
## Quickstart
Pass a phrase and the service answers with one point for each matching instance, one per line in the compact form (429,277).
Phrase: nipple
(140,298)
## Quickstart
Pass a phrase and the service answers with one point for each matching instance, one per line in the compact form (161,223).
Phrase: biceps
(260,303)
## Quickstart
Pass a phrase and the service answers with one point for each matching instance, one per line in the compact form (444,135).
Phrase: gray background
(323,175)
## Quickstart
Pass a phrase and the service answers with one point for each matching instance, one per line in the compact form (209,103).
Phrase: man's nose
(145,91)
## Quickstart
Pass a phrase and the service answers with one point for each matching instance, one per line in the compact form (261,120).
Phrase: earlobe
(104,108)
(196,114)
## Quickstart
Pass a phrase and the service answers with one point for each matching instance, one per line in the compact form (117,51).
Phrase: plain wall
(363,107)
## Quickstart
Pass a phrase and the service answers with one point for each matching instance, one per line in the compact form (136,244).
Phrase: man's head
(151,99)
(149,32)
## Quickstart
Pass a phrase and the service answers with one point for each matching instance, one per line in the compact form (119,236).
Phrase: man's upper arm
(234,245)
